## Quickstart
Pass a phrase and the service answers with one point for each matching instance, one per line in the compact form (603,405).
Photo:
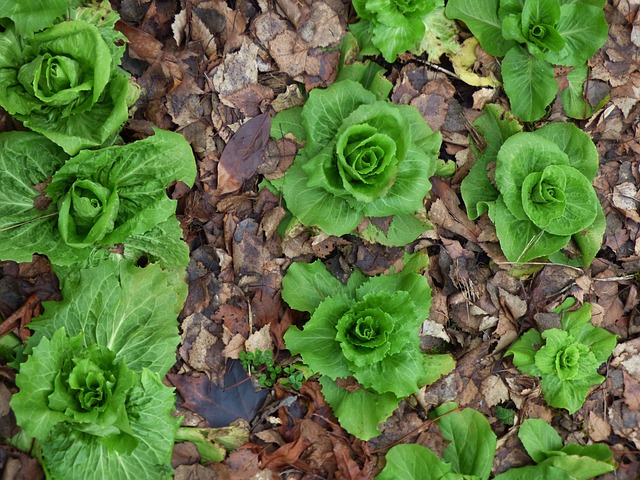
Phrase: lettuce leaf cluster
(365,331)
(91,390)
(363,157)
(533,36)
(472,447)
(61,76)
(390,27)
(566,359)
(536,187)
(70,208)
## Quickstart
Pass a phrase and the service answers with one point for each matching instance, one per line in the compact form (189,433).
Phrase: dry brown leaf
(242,155)
(260,340)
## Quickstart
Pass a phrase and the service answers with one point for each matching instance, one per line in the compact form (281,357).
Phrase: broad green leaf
(392,40)
(573,96)
(440,36)
(579,467)
(495,126)
(359,412)
(529,83)
(72,455)
(130,310)
(473,443)
(521,240)
(596,451)
(36,383)
(317,342)
(401,374)
(307,285)
(520,156)
(316,206)
(578,323)
(288,121)
(370,75)
(27,160)
(524,351)
(535,12)
(539,439)
(406,281)
(476,189)
(414,462)
(534,472)
(580,150)
(589,240)
(403,229)
(482,19)
(584,30)
(326,110)
(102,15)
(163,244)
(32,15)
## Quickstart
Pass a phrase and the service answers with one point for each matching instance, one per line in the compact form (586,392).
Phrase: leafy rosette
(91,391)
(94,200)
(65,81)
(532,36)
(390,27)
(565,359)
(540,193)
(363,157)
(366,331)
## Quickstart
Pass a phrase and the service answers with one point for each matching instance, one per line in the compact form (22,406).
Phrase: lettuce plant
(533,36)
(566,359)
(536,187)
(65,81)
(365,331)
(363,157)
(555,460)
(96,199)
(472,447)
(390,27)
(91,391)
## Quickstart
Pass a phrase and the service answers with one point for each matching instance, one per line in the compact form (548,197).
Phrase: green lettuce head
(91,389)
(363,157)
(93,201)
(540,193)
(366,331)
(565,359)
(84,402)
(65,81)
(390,27)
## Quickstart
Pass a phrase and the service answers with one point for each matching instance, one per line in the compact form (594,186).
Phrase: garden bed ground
(208,67)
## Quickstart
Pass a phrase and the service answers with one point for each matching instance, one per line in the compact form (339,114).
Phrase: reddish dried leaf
(243,154)
(220,405)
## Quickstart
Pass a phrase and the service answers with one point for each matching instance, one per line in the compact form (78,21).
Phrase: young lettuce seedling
(533,36)
(566,359)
